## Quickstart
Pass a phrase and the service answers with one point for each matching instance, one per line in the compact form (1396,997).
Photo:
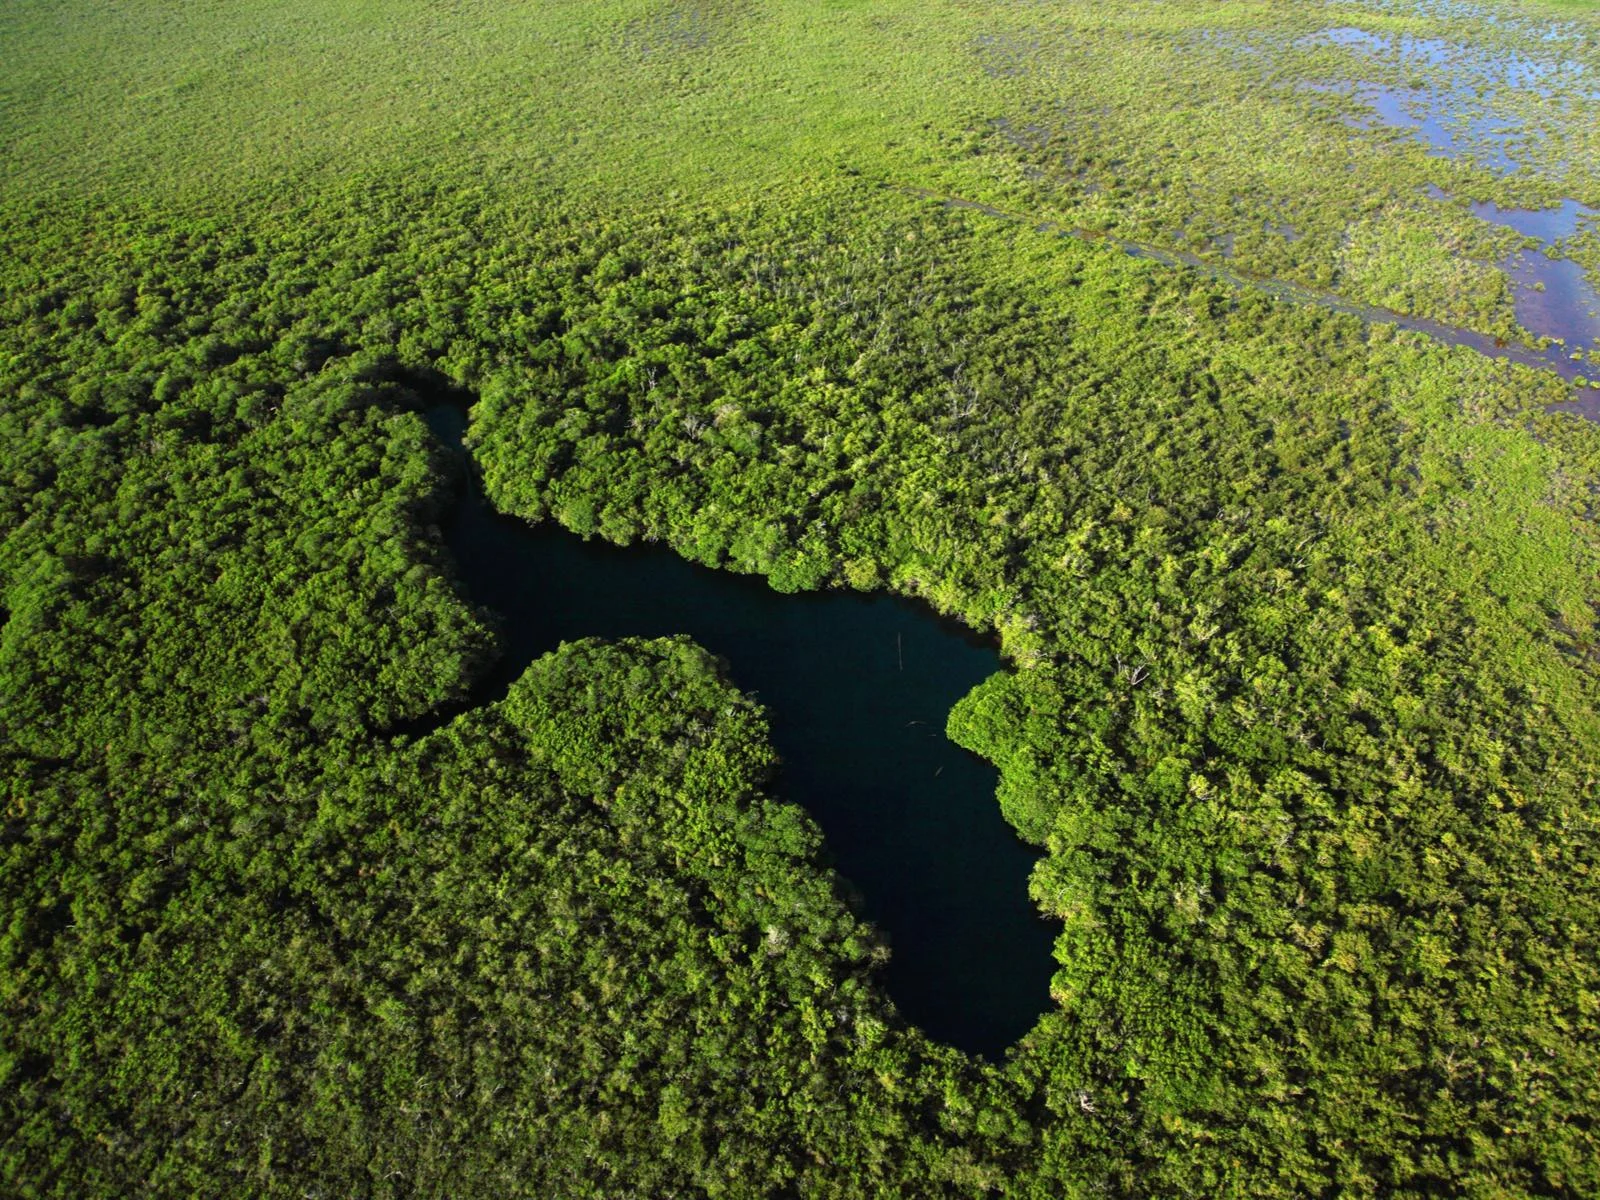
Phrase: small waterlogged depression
(1553,296)
(1549,225)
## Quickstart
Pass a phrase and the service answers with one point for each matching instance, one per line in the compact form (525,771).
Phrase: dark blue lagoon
(858,689)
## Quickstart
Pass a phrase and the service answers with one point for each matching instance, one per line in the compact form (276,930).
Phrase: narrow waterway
(857,689)
(1555,357)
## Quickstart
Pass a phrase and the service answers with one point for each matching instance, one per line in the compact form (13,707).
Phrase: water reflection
(1549,225)
(1554,299)
(1455,108)
(1552,295)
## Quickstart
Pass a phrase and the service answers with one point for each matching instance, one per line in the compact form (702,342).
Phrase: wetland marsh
(654,818)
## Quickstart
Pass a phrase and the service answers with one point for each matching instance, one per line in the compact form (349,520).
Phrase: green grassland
(1301,612)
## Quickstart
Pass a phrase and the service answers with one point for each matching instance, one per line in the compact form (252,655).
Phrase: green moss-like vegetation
(1301,611)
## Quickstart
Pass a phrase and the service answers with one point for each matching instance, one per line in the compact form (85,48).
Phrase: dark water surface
(857,689)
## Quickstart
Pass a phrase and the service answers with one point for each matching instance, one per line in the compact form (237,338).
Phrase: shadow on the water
(857,688)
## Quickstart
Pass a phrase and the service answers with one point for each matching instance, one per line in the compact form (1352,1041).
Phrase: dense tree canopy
(1300,705)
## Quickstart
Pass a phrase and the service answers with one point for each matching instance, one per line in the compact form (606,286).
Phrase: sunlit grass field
(1181,125)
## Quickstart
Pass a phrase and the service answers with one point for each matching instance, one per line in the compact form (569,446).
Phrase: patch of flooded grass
(1555,301)
(1458,100)
(674,31)
(1214,138)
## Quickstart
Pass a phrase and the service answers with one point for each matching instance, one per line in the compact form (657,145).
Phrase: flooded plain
(1484,112)
(1459,103)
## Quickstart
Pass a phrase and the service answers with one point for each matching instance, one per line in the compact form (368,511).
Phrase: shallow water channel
(857,689)
(1555,357)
